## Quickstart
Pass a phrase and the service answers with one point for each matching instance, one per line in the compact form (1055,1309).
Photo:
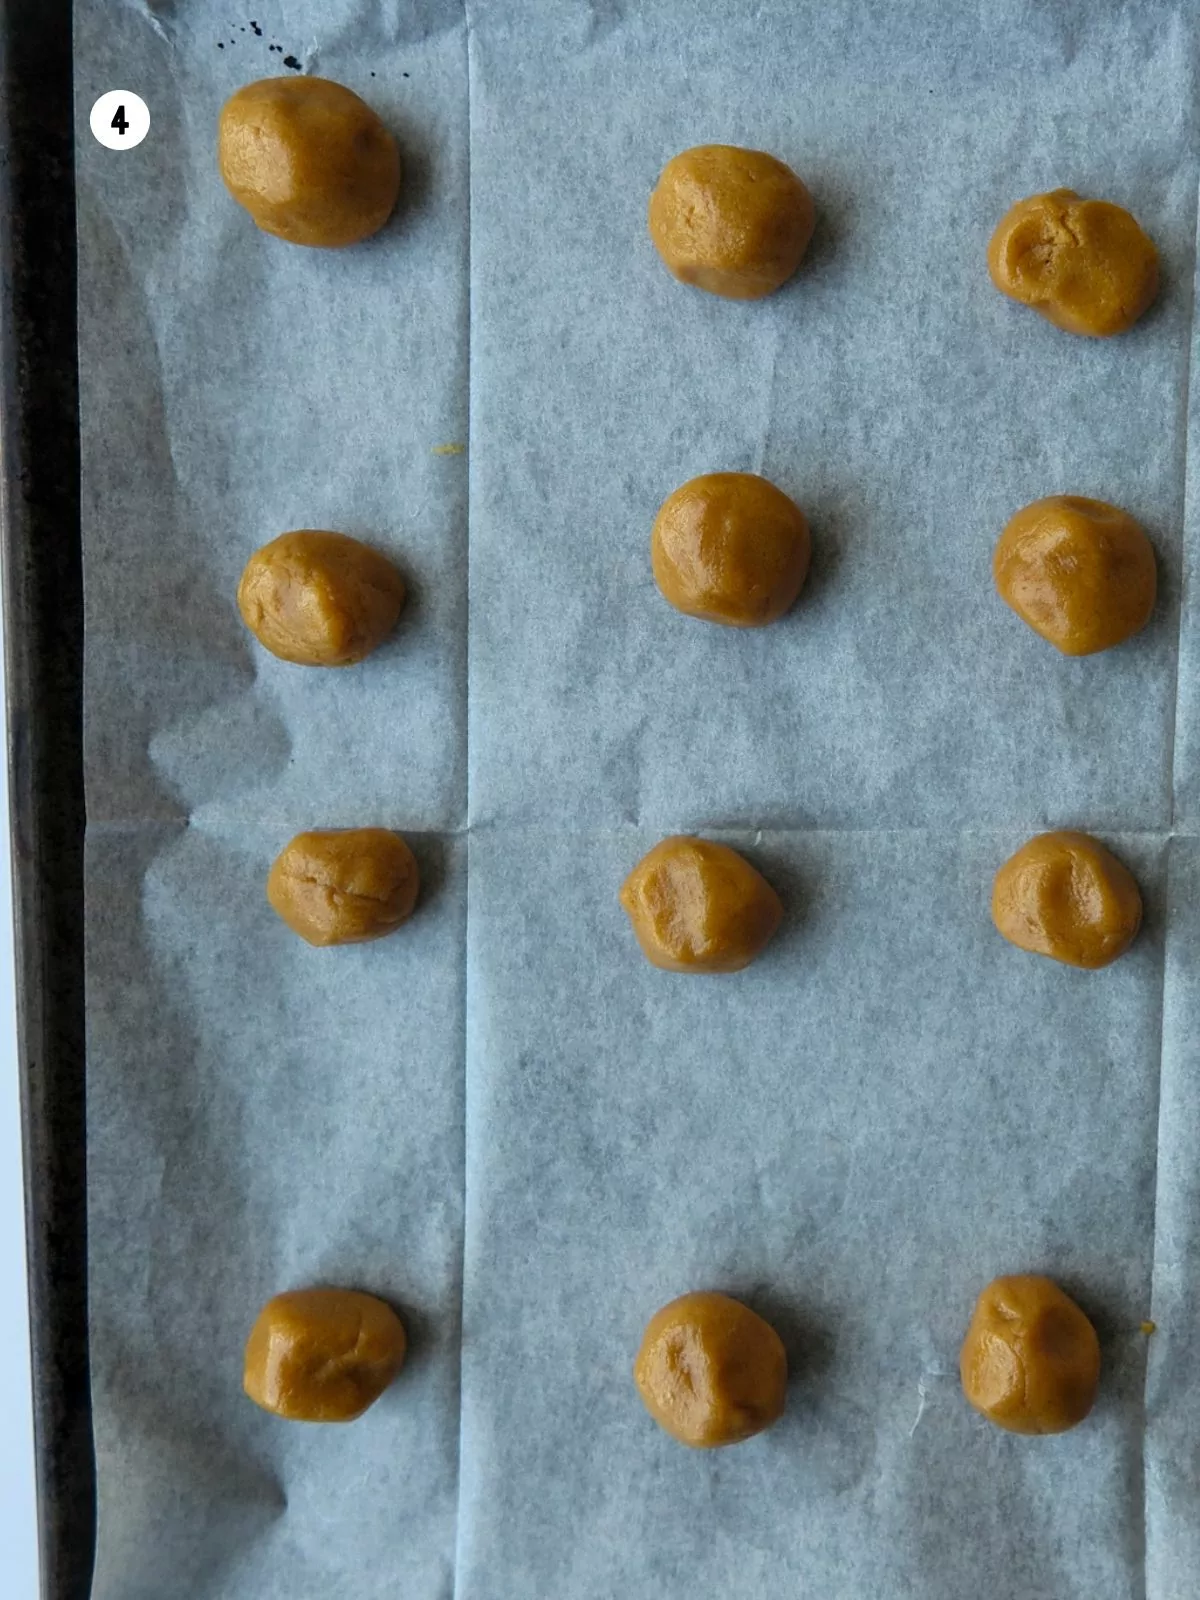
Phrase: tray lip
(43,611)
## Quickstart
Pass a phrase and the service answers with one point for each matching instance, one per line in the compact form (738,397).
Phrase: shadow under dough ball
(1065,896)
(710,1371)
(730,547)
(322,1355)
(697,906)
(320,599)
(309,160)
(1031,1360)
(1079,572)
(344,885)
(734,222)
(1085,265)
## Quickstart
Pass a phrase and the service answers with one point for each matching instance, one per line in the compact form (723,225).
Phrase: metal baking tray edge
(43,600)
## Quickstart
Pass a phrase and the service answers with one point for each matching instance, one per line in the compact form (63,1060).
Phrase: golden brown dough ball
(344,885)
(1085,265)
(734,222)
(697,906)
(320,599)
(1065,896)
(322,1355)
(309,160)
(1079,572)
(1031,1360)
(711,1371)
(730,547)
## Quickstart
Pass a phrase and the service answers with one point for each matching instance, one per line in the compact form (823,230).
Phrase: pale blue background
(18,1520)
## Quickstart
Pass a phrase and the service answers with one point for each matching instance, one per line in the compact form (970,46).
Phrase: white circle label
(120,119)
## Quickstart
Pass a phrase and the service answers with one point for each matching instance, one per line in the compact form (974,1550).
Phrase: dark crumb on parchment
(291,62)
(404,74)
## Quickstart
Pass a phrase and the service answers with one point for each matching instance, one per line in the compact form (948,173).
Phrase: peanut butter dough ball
(1031,1360)
(1085,265)
(697,906)
(730,547)
(734,222)
(320,599)
(344,886)
(1065,896)
(309,160)
(322,1355)
(710,1371)
(1079,572)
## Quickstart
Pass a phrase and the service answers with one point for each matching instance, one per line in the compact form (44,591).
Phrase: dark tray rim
(43,601)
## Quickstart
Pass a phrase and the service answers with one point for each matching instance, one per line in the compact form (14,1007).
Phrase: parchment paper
(502,1119)
(259,1117)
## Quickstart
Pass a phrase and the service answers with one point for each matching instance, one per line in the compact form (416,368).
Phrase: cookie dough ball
(730,547)
(711,1371)
(1065,896)
(697,906)
(309,160)
(320,599)
(1031,1360)
(1085,265)
(1079,572)
(344,886)
(322,1355)
(734,222)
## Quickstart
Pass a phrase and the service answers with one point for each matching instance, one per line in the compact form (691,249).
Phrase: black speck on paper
(256,28)
(290,61)
(220,46)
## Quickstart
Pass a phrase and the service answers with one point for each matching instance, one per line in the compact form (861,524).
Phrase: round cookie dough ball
(322,1355)
(730,547)
(1079,572)
(734,222)
(1065,896)
(697,906)
(711,1371)
(344,885)
(320,599)
(309,160)
(1031,1360)
(1085,265)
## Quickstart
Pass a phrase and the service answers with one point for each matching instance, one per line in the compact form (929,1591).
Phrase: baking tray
(43,600)
(43,558)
